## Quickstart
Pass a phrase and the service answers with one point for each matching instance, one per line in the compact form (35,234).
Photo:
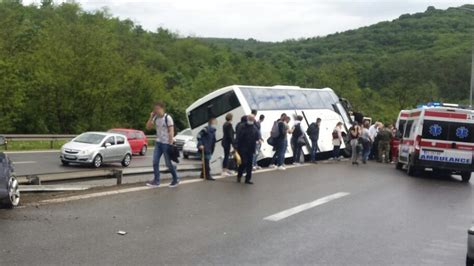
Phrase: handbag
(174,153)
(237,158)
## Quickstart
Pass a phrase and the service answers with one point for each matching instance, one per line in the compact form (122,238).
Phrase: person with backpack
(165,131)
(313,134)
(279,142)
(247,139)
(206,144)
(337,141)
(228,141)
(354,135)
(297,139)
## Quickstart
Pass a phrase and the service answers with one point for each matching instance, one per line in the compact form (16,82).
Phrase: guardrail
(5,138)
(118,174)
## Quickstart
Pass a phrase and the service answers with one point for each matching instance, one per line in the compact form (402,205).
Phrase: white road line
(303,207)
(25,162)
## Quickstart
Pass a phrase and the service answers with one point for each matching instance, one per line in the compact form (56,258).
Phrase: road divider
(303,207)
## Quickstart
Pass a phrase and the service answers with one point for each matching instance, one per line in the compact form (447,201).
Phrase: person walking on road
(247,139)
(206,143)
(228,141)
(258,124)
(164,139)
(384,136)
(337,141)
(313,133)
(278,137)
(297,140)
(366,142)
(354,135)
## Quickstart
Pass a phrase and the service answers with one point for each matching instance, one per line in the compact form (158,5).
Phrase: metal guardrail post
(118,174)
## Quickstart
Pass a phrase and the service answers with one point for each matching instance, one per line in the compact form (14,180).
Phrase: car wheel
(186,156)
(126,160)
(97,162)
(399,166)
(466,176)
(143,150)
(13,193)
(65,163)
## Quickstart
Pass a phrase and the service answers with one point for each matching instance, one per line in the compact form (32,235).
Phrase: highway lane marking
(304,207)
(25,162)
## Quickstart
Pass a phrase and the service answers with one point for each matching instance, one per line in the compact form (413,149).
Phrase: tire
(466,176)
(13,194)
(143,150)
(97,162)
(64,163)
(399,166)
(186,156)
(126,160)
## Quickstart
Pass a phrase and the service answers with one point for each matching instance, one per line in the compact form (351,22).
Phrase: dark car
(9,191)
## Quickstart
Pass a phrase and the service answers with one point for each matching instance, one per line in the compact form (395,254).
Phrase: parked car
(183,137)
(9,191)
(137,139)
(190,149)
(96,148)
(470,247)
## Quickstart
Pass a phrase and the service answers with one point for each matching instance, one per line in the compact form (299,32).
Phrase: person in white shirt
(373,131)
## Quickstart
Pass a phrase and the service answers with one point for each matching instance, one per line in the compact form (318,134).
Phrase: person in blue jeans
(164,139)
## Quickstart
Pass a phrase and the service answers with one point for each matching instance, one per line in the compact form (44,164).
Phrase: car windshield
(90,138)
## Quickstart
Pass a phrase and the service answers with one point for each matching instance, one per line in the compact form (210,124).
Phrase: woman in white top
(337,140)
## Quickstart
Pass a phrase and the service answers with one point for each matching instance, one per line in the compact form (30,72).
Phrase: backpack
(166,123)
(275,133)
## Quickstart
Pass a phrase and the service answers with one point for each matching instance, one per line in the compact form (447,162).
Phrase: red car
(136,138)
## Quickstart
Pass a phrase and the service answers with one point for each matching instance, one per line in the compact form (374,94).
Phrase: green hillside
(64,70)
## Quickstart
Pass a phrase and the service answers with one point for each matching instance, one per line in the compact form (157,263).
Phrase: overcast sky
(266,20)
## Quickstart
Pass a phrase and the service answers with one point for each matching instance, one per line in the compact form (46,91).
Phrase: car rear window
(450,131)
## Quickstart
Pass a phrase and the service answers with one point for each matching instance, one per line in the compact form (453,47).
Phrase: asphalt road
(385,218)
(27,163)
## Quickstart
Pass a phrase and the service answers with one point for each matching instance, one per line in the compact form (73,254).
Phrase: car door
(108,151)
(120,148)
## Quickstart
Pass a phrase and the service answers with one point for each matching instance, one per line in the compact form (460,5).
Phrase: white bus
(240,100)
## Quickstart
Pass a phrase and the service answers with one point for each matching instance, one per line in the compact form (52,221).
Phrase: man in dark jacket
(313,133)
(247,138)
(206,144)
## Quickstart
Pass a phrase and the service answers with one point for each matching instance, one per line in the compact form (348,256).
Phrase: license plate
(69,157)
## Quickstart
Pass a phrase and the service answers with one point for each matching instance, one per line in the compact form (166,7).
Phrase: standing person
(366,142)
(337,141)
(243,121)
(164,139)
(313,133)
(228,141)
(206,143)
(384,136)
(297,139)
(247,139)
(354,135)
(258,124)
(279,136)
(373,130)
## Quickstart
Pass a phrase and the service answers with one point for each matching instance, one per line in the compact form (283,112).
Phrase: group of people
(367,141)
(245,139)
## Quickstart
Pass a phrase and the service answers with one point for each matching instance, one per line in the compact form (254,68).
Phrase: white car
(183,137)
(96,148)
(190,149)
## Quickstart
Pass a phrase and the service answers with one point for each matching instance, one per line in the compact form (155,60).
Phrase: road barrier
(4,139)
(118,174)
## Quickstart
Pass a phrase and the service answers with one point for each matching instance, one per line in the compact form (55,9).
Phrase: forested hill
(64,70)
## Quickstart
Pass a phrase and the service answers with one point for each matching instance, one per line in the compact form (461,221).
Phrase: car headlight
(84,152)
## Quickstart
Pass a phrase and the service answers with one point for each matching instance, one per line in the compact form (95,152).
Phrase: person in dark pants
(297,140)
(313,133)
(278,133)
(206,144)
(228,141)
(247,139)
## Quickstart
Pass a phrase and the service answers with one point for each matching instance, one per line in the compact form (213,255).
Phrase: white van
(440,138)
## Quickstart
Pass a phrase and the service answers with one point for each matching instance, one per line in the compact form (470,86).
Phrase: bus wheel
(466,176)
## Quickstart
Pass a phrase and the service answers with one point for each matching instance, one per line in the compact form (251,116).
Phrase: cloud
(269,20)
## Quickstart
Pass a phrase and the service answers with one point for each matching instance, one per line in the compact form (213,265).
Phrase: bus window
(314,99)
(327,99)
(298,99)
(215,107)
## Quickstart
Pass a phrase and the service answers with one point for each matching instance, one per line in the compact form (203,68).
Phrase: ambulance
(438,137)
